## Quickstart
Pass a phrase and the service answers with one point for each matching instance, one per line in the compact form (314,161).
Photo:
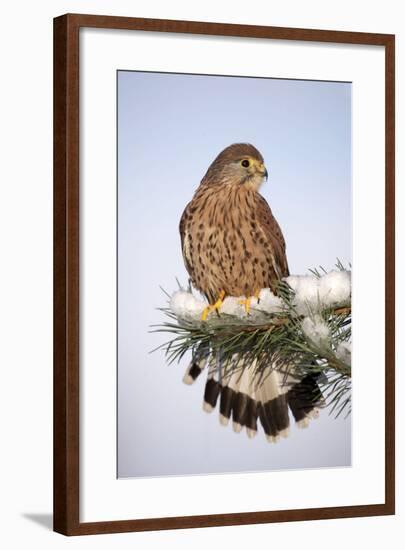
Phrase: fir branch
(280,339)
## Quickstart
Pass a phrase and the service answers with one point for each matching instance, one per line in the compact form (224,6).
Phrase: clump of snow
(306,288)
(316,293)
(316,329)
(268,302)
(233,306)
(335,288)
(344,352)
(186,306)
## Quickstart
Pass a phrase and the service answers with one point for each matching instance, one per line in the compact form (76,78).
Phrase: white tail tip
(237,428)
(223,420)
(273,438)
(251,433)
(284,433)
(187,379)
(207,407)
(314,413)
(304,423)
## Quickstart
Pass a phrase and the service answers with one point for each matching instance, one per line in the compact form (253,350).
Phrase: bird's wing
(182,226)
(272,231)
(185,243)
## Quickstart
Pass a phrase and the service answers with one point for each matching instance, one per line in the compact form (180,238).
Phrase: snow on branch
(312,294)
(306,326)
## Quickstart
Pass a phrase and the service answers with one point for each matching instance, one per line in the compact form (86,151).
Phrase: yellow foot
(247,301)
(213,307)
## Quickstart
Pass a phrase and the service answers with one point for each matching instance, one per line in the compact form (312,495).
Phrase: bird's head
(240,164)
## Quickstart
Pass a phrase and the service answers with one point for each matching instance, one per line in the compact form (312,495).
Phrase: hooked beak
(266,174)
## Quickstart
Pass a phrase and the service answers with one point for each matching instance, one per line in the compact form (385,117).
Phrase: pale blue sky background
(170,128)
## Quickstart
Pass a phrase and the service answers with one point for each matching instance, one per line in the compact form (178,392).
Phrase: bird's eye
(245,163)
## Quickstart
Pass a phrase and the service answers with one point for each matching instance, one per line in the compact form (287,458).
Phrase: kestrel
(233,246)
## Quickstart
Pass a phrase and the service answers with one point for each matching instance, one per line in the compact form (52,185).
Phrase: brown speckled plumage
(231,241)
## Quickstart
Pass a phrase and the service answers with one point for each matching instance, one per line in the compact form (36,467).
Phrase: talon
(213,307)
(205,313)
(247,301)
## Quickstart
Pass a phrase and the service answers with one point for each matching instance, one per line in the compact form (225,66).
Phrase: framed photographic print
(223,274)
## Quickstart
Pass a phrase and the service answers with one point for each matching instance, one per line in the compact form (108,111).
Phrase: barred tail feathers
(195,368)
(246,397)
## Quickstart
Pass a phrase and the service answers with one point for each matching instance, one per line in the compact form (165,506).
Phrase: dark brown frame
(66,273)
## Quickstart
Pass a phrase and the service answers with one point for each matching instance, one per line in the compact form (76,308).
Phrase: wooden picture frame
(67,284)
